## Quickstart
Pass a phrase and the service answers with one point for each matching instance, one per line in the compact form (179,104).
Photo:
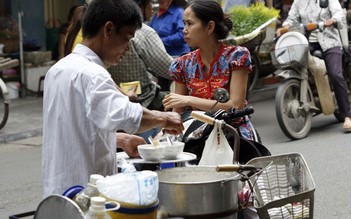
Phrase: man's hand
(329,22)
(129,143)
(281,31)
(173,123)
(132,96)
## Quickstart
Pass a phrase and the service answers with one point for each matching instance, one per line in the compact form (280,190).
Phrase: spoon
(153,141)
(169,141)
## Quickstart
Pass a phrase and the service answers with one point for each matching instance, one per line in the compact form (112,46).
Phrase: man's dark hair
(120,12)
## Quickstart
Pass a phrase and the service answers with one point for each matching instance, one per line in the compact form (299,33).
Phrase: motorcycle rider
(328,40)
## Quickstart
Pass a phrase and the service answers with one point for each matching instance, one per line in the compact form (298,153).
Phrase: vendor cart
(253,41)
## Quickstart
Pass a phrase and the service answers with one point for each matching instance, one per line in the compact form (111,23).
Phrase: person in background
(82,108)
(328,41)
(63,32)
(75,36)
(168,23)
(145,59)
(74,33)
(199,73)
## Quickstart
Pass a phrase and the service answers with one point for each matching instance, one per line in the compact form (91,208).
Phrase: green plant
(246,19)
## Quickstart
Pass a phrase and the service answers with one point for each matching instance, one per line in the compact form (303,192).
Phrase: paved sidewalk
(25,119)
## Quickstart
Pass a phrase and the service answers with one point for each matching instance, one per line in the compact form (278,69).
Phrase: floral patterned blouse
(189,70)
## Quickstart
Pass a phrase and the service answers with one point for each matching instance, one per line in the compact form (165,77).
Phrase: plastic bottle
(83,198)
(97,209)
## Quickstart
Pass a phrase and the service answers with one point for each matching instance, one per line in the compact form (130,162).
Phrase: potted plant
(247,19)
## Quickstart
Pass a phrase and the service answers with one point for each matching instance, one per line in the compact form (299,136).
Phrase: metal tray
(183,157)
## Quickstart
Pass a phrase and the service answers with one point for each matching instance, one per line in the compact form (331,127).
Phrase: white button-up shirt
(82,110)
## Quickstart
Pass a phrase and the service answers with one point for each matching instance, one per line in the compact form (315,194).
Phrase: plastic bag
(126,167)
(217,150)
(136,188)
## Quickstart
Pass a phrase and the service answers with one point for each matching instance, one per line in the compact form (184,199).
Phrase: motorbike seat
(318,53)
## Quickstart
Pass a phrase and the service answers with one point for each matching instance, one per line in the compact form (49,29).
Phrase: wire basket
(293,56)
(284,189)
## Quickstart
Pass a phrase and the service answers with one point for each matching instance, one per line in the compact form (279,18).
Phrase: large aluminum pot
(196,191)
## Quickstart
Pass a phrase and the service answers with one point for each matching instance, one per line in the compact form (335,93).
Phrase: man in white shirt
(82,108)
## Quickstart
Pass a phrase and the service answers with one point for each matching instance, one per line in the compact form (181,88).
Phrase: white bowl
(172,151)
(151,152)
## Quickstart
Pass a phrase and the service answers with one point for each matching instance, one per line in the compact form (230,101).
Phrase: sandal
(347,124)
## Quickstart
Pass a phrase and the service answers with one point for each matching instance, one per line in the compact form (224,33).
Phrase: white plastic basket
(294,55)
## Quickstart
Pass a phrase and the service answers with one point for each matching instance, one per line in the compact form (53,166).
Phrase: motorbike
(197,132)
(305,90)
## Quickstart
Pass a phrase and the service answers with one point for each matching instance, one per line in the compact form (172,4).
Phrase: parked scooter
(306,90)
(197,132)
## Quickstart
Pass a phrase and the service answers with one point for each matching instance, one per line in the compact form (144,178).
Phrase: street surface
(326,149)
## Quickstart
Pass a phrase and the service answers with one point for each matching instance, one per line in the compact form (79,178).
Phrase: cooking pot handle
(236,168)
(209,120)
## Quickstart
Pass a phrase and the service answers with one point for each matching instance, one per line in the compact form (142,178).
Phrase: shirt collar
(172,8)
(87,53)
(219,53)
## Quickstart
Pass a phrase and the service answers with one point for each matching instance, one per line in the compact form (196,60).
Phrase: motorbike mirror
(221,95)
(323,3)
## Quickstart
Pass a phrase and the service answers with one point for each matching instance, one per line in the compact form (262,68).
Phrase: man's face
(164,4)
(117,44)
(149,11)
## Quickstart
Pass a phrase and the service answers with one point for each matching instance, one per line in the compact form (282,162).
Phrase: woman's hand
(129,143)
(174,100)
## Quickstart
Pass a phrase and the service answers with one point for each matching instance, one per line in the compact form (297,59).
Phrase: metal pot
(198,190)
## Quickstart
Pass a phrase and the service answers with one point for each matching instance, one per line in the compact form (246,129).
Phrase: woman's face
(164,4)
(195,33)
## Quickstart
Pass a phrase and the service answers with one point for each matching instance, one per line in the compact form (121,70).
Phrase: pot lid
(58,207)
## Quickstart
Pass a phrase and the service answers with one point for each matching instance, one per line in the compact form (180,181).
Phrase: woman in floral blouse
(199,73)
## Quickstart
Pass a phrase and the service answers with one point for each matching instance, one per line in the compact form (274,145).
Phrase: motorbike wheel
(293,121)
